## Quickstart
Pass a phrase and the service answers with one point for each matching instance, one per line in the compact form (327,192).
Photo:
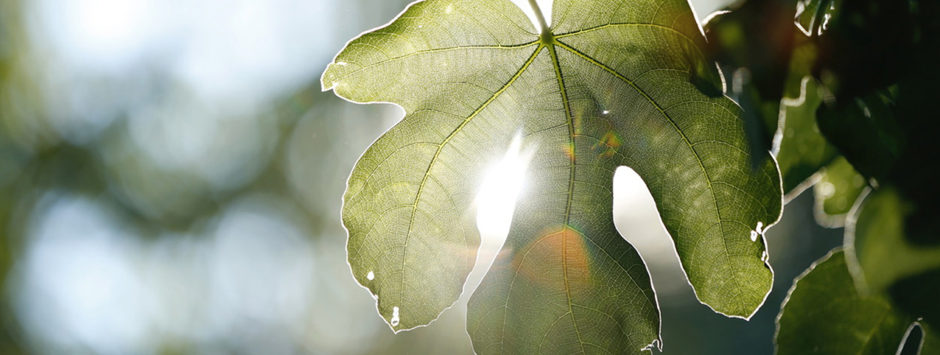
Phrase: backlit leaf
(608,84)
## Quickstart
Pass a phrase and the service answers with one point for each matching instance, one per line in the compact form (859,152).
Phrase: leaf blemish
(759,230)
(370,276)
(395,319)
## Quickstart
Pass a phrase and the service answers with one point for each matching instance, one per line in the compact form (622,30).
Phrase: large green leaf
(609,83)
(824,314)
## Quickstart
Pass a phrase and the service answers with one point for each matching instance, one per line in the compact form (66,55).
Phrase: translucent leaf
(606,85)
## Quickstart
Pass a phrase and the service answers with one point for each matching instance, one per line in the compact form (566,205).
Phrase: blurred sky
(171,178)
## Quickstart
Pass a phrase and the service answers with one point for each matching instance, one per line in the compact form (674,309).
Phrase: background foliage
(159,177)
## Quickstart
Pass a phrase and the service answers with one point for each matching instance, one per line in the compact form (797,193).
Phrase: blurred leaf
(879,60)
(812,16)
(824,314)
(865,132)
(23,124)
(608,85)
(753,42)
(869,46)
(838,188)
(882,259)
(931,340)
(917,295)
(802,150)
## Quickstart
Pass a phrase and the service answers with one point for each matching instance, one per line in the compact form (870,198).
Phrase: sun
(502,184)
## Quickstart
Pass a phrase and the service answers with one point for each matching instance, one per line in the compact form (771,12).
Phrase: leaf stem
(538,15)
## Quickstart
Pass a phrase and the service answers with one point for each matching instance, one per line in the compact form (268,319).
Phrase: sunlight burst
(502,184)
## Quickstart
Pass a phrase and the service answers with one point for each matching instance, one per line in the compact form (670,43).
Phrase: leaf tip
(328,80)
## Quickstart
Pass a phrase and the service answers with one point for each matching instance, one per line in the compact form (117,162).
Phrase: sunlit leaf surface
(609,83)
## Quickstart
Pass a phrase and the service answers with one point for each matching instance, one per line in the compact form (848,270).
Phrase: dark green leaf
(931,340)
(824,314)
(880,254)
(866,132)
(882,259)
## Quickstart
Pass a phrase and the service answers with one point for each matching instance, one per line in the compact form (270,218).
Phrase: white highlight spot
(605,112)
(394,321)
(449,9)
(370,276)
(496,199)
(108,33)
(826,189)
(759,230)
(342,64)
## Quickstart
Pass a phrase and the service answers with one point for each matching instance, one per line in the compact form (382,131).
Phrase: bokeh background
(171,180)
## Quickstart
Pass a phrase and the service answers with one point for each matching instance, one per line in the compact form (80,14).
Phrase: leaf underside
(608,85)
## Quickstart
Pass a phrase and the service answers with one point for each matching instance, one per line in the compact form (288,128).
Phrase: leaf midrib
(571,179)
